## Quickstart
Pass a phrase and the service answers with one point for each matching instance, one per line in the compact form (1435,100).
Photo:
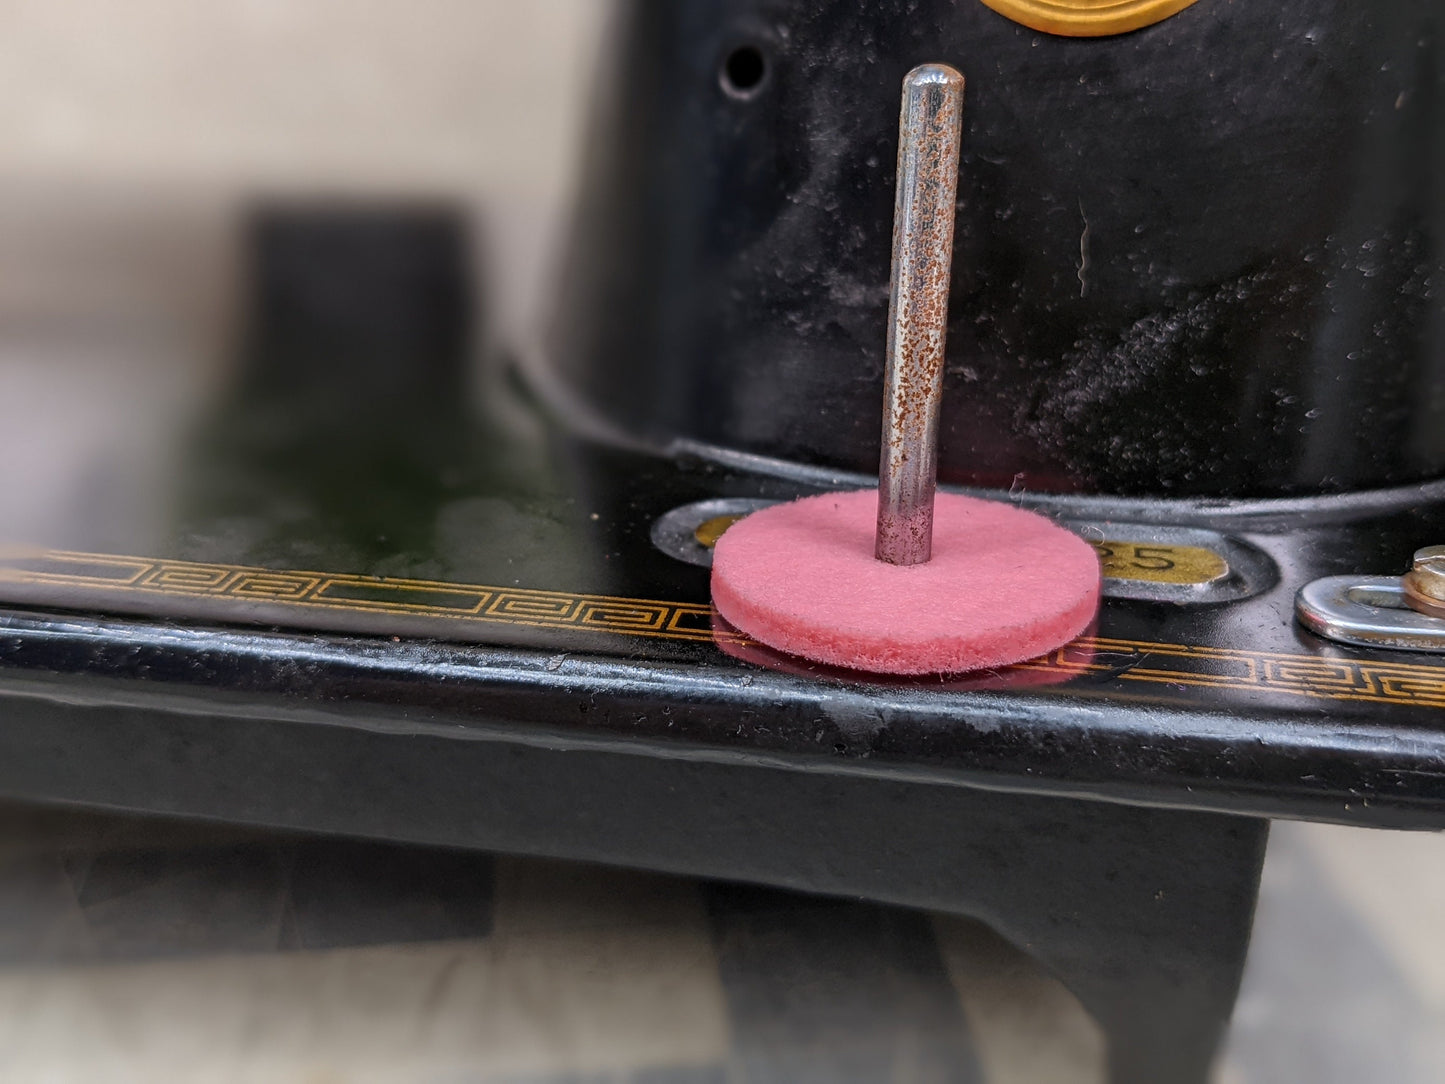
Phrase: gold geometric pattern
(469,603)
(1128,661)
(1364,680)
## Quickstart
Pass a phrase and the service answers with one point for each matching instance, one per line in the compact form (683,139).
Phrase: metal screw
(929,126)
(1425,582)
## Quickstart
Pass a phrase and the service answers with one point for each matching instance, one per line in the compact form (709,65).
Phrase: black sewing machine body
(1201,259)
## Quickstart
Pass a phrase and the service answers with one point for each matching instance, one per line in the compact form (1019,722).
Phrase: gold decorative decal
(1160,563)
(1365,680)
(87,579)
(1087,18)
(459,602)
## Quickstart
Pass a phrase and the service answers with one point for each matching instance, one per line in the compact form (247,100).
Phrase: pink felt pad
(1004,585)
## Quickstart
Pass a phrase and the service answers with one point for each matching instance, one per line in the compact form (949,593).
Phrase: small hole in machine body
(744,71)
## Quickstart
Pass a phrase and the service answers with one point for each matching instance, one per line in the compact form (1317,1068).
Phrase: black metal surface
(1199,259)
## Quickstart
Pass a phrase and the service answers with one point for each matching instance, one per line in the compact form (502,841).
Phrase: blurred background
(136,140)
(136,950)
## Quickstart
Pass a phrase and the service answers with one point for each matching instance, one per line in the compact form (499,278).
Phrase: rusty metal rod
(929,127)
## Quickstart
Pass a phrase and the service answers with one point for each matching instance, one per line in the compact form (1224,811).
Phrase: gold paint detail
(1087,18)
(1184,666)
(1173,666)
(710,530)
(1158,563)
(460,602)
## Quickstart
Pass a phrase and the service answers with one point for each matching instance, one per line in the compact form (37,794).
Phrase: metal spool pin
(929,128)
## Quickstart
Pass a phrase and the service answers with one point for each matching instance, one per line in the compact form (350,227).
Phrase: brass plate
(1121,560)
(1087,18)
(1145,558)
(710,530)
(1158,563)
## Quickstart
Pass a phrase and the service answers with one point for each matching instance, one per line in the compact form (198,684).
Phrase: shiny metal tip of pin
(933,73)
(929,127)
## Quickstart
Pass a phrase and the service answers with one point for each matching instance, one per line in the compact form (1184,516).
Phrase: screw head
(1430,555)
(1425,582)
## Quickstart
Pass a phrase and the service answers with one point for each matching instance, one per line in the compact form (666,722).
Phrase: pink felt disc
(1004,585)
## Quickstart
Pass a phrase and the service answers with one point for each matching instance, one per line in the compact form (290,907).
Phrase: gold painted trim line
(248,588)
(1360,680)
(1087,18)
(86,580)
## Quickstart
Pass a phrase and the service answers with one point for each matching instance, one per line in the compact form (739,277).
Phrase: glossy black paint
(1200,259)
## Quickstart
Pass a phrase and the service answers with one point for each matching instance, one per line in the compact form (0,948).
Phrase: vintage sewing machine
(1196,316)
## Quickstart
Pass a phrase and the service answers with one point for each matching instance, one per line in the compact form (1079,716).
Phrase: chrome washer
(1369,611)
(675,532)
